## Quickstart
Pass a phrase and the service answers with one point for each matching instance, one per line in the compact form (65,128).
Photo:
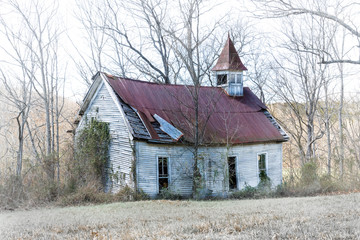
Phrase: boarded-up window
(163,172)
(232,173)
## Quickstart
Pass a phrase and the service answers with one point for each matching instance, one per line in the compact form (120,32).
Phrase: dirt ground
(322,217)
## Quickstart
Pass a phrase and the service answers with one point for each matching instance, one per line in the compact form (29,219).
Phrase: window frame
(223,81)
(217,74)
(266,164)
(236,172)
(238,77)
(157,170)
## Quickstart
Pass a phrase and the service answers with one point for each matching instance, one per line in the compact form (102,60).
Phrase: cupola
(229,70)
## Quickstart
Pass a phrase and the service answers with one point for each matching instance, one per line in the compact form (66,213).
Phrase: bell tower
(229,69)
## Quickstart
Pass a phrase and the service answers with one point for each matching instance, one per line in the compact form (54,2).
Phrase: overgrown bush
(12,193)
(247,192)
(167,194)
(282,190)
(329,184)
(92,152)
(129,194)
(309,173)
(32,189)
(85,194)
(265,183)
(90,194)
(309,183)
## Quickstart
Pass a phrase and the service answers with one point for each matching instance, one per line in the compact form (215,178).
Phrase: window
(232,173)
(235,84)
(221,79)
(232,78)
(163,172)
(262,165)
(236,78)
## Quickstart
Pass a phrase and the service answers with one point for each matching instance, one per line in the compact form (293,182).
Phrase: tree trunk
(20,147)
(341,130)
(327,126)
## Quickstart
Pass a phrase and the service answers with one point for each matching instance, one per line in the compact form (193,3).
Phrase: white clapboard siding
(248,165)
(180,167)
(104,109)
(212,162)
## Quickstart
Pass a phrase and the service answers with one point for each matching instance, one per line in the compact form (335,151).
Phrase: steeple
(229,70)
(229,59)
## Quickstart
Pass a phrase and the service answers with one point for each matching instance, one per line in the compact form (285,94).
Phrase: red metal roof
(229,59)
(224,119)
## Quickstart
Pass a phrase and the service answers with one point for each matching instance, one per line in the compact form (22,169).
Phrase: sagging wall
(119,170)
(213,165)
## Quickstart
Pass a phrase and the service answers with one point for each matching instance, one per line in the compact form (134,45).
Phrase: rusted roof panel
(224,119)
(229,59)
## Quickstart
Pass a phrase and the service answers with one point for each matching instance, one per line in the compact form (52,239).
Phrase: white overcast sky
(67,11)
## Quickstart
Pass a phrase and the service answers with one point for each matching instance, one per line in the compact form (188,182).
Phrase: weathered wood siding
(180,169)
(213,164)
(105,109)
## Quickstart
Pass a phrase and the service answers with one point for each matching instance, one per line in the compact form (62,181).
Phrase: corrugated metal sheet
(224,119)
(229,59)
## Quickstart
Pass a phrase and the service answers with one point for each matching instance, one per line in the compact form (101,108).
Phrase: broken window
(163,172)
(221,79)
(232,173)
(262,165)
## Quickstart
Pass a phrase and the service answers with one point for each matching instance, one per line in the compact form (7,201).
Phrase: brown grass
(322,217)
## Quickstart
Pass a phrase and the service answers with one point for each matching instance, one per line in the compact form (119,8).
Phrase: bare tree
(342,13)
(17,84)
(89,13)
(299,81)
(140,41)
(189,39)
(35,53)
(260,75)
(340,32)
(19,96)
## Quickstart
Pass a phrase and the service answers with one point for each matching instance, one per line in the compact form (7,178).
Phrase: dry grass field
(322,217)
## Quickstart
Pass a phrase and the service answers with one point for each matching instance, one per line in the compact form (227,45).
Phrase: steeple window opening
(221,79)
(236,78)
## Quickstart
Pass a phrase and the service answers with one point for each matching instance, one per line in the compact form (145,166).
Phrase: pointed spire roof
(229,59)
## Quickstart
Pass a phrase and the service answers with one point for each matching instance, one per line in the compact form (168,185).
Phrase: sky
(75,87)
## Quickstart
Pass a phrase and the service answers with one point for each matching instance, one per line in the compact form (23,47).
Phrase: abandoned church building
(153,131)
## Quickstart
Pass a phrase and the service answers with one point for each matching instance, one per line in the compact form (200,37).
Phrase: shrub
(167,194)
(91,193)
(92,151)
(86,194)
(281,190)
(247,192)
(309,173)
(265,182)
(141,195)
(328,184)
(12,193)
(309,182)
